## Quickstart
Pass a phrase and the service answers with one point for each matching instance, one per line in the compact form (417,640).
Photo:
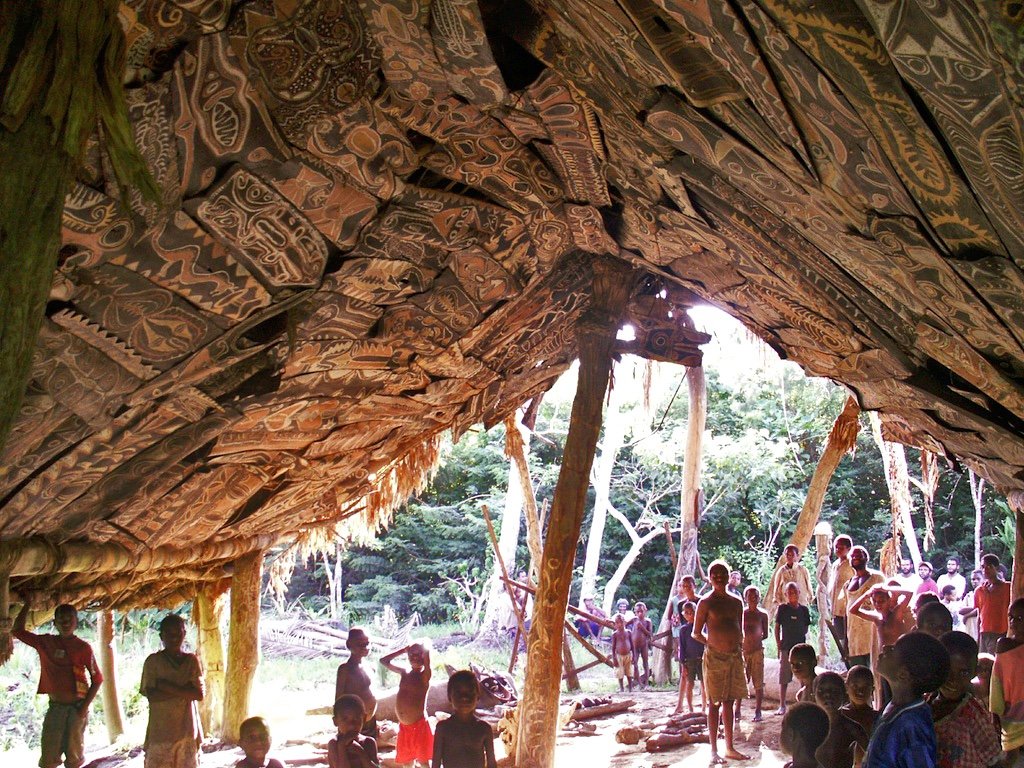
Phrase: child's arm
(437,759)
(764,624)
(699,622)
(95,679)
(386,660)
(489,760)
(778,629)
(864,613)
(427,671)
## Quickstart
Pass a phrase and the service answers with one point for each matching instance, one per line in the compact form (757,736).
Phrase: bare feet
(732,754)
(781,710)
(717,759)
(757,716)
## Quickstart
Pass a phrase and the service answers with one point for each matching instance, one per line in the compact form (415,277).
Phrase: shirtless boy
(352,678)
(350,748)
(755,632)
(463,740)
(719,625)
(643,632)
(888,615)
(622,651)
(415,739)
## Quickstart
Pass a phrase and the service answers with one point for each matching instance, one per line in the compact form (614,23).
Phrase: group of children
(172,682)
(941,708)
(631,644)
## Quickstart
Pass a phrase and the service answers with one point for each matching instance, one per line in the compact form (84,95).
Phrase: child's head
(880,599)
(925,598)
(934,619)
(804,729)
(718,573)
(948,593)
(792,593)
(977,577)
(802,659)
(349,713)
(735,579)
(1015,619)
(842,545)
(688,585)
(254,739)
(65,619)
(172,631)
(689,610)
(963,664)
(860,685)
(916,660)
(358,643)
(990,566)
(640,609)
(620,621)
(463,692)
(417,655)
(829,691)
(752,596)
(792,554)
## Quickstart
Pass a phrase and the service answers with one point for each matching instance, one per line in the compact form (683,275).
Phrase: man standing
(906,577)
(69,675)
(860,632)
(842,572)
(992,599)
(735,580)
(954,577)
(928,584)
(790,570)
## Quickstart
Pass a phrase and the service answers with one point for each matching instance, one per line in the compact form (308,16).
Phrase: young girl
(1006,697)
(172,680)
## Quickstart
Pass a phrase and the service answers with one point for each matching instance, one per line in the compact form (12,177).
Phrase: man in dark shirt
(791,622)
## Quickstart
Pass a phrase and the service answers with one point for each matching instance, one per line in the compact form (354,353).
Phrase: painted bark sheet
(377,221)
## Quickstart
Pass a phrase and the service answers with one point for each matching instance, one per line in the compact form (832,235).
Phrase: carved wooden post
(1016,500)
(243,641)
(108,666)
(207,610)
(538,709)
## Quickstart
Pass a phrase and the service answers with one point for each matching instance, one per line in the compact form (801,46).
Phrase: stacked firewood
(666,733)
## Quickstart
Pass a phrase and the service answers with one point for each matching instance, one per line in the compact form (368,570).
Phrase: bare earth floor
(299,741)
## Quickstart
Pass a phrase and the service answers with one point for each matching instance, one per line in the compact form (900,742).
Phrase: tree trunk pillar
(207,611)
(243,641)
(108,666)
(538,708)
(1016,500)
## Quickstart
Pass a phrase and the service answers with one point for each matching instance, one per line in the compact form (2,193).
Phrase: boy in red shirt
(69,675)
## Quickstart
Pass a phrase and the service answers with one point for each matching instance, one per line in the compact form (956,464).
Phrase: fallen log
(598,710)
(665,741)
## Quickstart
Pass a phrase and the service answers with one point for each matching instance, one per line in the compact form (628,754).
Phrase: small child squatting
(350,748)
(463,740)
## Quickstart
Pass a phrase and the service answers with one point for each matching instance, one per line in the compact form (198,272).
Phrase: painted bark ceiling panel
(378,219)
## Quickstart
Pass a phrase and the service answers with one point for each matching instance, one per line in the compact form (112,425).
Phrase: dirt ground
(300,741)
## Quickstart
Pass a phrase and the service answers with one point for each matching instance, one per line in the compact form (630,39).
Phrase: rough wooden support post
(823,572)
(572,680)
(207,611)
(243,641)
(112,713)
(6,622)
(1016,499)
(538,708)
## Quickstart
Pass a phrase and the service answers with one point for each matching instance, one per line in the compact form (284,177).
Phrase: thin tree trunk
(841,440)
(977,485)
(1016,500)
(615,425)
(112,713)
(690,504)
(243,641)
(515,449)
(897,477)
(538,708)
(637,543)
(207,612)
(508,538)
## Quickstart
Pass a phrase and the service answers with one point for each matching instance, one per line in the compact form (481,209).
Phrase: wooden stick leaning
(520,622)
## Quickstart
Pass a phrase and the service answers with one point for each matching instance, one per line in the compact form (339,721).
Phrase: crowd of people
(933,678)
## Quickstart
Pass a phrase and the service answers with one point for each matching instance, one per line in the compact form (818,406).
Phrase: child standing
(860,690)
(643,632)
(965,735)
(691,659)
(352,678)
(172,680)
(415,739)
(463,740)
(804,728)
(888,613)
(622,651)
(845,736)
(350,748)
(904,736)
(755,632)
(1006,695)
(68,674)
(254,739)
(791,623)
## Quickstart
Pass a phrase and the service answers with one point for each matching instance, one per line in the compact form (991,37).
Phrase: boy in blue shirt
(904,736)
(691,656)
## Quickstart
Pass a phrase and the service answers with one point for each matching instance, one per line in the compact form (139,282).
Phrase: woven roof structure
(377,221)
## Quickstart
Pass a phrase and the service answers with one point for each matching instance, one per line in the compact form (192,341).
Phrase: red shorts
(415,742)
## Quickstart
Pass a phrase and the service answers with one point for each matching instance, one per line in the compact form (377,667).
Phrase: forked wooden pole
(520,619)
